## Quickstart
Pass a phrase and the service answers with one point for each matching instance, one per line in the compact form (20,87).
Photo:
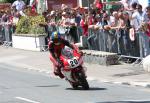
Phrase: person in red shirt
(99,5)
(84,25)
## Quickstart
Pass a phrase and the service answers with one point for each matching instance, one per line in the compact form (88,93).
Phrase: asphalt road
(18,85)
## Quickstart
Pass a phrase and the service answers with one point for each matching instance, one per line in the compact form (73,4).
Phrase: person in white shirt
(31,3)
(130,2)
(144,3)
(147,15)
(114,19)
(137,17)
(19,5)
(66,19)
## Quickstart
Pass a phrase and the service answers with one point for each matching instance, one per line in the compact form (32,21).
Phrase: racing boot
(58,72)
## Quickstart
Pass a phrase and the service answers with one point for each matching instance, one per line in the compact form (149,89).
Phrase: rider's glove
(80,52)
(59,62)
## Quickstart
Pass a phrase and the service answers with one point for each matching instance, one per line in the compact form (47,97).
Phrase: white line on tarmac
(138,101)
(27,100)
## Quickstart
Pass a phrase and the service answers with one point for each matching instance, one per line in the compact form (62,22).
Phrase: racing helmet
(55,37)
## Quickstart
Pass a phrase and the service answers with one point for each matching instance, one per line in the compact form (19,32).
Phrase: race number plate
(73,62)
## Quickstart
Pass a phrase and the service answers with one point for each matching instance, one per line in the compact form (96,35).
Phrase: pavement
(123,74)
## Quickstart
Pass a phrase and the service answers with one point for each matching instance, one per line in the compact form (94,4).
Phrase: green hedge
(29,26)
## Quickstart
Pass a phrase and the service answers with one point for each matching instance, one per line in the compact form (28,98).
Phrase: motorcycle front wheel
(74,86)
(82,80)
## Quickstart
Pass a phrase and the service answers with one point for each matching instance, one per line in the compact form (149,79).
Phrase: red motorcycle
(72,68)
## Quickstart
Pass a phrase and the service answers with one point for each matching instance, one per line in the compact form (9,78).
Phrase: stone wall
(100,57)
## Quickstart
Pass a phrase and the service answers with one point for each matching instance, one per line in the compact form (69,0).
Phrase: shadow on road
(48,86)
(126,102)
(91,89)
(129,74)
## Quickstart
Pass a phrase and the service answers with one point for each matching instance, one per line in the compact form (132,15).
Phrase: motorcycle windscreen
(67,52)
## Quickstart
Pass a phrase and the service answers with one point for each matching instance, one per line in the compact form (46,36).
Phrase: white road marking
(138,101)
(27,100)
(91,78)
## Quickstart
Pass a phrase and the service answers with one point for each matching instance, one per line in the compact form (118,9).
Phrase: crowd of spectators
(126,15)
(123,15)
(11,15)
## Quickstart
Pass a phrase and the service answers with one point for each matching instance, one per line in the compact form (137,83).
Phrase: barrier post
(144,42)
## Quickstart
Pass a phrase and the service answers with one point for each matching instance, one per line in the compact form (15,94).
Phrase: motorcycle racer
(55,45)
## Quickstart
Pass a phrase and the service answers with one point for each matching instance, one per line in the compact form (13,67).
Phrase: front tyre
(82,81)
(74,86)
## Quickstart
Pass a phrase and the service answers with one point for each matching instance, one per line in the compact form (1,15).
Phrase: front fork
(71,75)
(77,72)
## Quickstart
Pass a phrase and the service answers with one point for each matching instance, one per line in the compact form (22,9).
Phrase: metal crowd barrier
(118,41)
(6,34)
(2,34)
(114,41)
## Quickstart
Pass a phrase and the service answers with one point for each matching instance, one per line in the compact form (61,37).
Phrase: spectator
(65,8)
(144,4)
(51,18)
(91,19)
(127,20)
(78,17)
(4,17)
(114,19)
(137,17)
(99,22)
(33,4)
(1,13)
(73,28)
(146,21)
(65,19)
(130,2)
(121,22)
(51,22)
(15,19)
(112,5)
(72,20)
(147,15)
(122,36)
(19,5)
(106,21)
(99,5)
(145,39)
(127,4)
(130,42)
(84,24)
